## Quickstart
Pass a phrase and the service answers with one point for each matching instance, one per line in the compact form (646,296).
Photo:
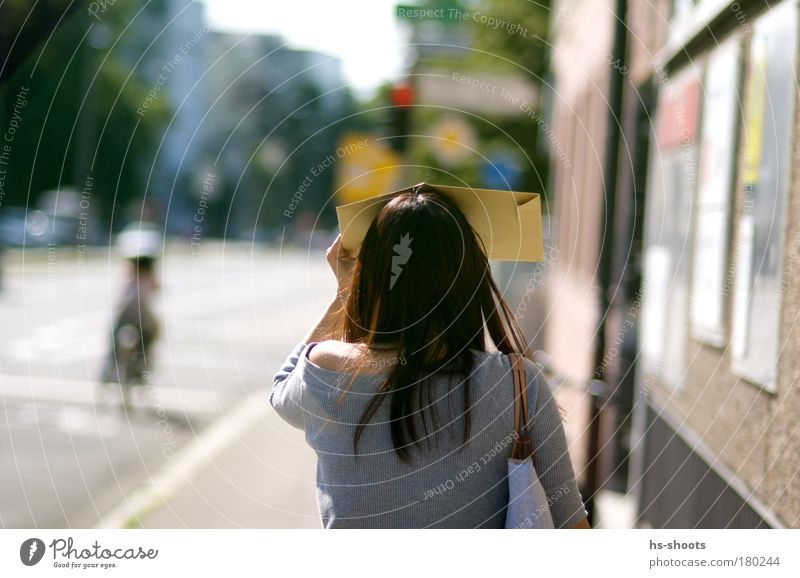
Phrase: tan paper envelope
(509,223)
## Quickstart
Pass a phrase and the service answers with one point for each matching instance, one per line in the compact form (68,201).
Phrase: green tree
(495,37)
(80,115)
(520,40)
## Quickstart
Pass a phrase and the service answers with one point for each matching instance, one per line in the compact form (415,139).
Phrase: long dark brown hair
(422,286)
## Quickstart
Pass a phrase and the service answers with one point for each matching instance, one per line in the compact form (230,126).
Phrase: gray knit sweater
(447,485)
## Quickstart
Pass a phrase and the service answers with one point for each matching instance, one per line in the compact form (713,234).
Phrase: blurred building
(277,113)
(165,47)
(677,223)
(248,117)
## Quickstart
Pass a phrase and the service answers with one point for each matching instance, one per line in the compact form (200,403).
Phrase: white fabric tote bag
(527,501)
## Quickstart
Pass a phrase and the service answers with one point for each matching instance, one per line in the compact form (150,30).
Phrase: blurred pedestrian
(135,327)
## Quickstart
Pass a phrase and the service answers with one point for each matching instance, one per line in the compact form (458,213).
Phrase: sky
(364,34)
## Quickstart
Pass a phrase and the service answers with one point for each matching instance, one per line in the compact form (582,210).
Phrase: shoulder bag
(527,501)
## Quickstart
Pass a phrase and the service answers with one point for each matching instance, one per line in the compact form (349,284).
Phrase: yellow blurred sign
(452,141)
(366,168)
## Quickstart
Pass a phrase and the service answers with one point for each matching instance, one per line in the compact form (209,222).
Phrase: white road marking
(174,474)
(191,402)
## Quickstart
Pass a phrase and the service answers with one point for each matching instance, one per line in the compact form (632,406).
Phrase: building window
(670,189)
(767,136)
(715,186)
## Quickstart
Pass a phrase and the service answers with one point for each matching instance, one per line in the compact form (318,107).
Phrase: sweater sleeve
(286,395)
(553,465)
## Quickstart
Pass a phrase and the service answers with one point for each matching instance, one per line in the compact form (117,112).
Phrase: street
(68,452)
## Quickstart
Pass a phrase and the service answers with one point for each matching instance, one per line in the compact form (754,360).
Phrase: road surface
(68,452)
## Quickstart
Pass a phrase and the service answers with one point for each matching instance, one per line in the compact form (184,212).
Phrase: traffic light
(400,116)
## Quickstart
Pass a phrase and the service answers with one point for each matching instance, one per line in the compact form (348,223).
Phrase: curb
(173,475)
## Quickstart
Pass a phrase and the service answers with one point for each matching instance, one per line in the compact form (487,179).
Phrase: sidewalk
(248,470)
(252,470)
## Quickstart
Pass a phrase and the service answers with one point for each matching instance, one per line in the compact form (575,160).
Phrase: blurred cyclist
(135,327)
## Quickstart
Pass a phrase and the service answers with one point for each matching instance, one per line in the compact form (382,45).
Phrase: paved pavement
(251,470)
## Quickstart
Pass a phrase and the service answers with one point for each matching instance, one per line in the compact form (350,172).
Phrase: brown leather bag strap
(517,399)
(522,444)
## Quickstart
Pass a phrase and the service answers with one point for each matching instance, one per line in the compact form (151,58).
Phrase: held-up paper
(509,223)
